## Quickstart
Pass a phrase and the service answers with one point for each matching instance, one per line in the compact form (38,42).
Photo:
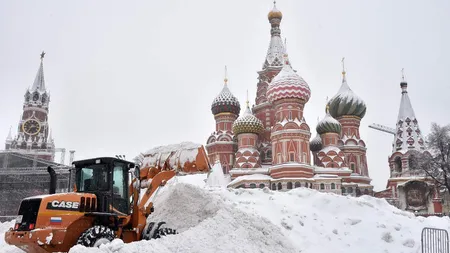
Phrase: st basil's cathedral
(270,145)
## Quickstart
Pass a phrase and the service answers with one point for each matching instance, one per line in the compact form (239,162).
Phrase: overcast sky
(125,77)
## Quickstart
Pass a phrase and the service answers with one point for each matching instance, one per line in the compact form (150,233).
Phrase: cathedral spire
(408,134)
(225,79)
(39,82)
(276,49)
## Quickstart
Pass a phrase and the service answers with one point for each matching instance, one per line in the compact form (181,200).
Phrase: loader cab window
(93,178)
(120,187)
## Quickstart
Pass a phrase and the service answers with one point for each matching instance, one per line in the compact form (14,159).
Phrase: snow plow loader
(106,204)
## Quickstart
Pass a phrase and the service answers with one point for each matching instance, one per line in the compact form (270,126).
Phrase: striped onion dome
(315,144)
(247,123)
(346,102)
(288,84)
(328,125)
(225,102)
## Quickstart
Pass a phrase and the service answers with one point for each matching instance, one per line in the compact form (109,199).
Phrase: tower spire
(247,102)
(408,134)
(343,68)
(39,82)
(225,79)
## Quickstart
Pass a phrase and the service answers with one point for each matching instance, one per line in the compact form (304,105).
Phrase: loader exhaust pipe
(52,173)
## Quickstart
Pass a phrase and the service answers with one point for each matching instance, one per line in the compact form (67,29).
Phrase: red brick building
(276,151)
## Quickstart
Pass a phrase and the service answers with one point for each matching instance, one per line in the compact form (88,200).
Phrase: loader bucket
(186,157)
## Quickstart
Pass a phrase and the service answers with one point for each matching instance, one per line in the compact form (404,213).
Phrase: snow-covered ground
(260,220)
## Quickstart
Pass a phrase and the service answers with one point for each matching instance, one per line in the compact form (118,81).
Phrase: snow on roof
(326,176)
(318,169)
(330,148)
(249,171)
(253,177)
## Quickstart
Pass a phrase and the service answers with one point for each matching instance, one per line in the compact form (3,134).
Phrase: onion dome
(315,145)
(328,124)
(274,13)
(248,123)
(346,102)
(288,84)
(225,102)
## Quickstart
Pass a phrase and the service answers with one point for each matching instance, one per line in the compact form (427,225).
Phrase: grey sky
(127,77)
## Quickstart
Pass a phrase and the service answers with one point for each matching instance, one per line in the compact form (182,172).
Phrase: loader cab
(108,179)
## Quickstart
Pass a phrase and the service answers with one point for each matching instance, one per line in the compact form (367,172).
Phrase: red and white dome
(288,84)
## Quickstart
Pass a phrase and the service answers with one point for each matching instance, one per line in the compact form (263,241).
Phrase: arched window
(352,166)
(252,185)
(333,186)
(343,190)
(358,192)
(322,186)
(274,186)
(269,154)
(262,186)
(289,185)
(280,186)
(297,184)
(398,164)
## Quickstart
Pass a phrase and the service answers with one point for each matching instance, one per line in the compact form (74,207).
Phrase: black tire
(155,230)
(91,236)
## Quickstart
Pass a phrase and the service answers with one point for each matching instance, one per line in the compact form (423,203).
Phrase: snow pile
(260,220)
(207,223)
(181,153)
(216,178)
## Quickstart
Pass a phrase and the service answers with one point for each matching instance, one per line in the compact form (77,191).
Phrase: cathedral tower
(288,93)
(33,133)
(329,129)
(272,65)
(247,128)
(349,109)
(221,144)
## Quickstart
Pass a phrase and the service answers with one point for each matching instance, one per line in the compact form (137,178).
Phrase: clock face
(31,127)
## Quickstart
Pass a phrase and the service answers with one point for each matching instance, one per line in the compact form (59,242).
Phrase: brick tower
(33,133)
(221,144)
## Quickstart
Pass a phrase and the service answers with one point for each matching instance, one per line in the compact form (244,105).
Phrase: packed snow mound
(216,178)
(206,223)
(260,220)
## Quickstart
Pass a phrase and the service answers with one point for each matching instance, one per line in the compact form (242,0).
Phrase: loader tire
(96,236)
(155,230)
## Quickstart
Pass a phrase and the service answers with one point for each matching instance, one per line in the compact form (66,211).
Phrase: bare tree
(436,162)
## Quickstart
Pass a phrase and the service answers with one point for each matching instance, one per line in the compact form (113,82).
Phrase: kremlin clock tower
(33,134)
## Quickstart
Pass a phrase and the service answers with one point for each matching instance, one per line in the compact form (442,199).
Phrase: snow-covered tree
(436,163)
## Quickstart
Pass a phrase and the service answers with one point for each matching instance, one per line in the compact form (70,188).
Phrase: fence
(435,240)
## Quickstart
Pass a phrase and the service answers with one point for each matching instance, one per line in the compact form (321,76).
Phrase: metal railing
(434,240)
